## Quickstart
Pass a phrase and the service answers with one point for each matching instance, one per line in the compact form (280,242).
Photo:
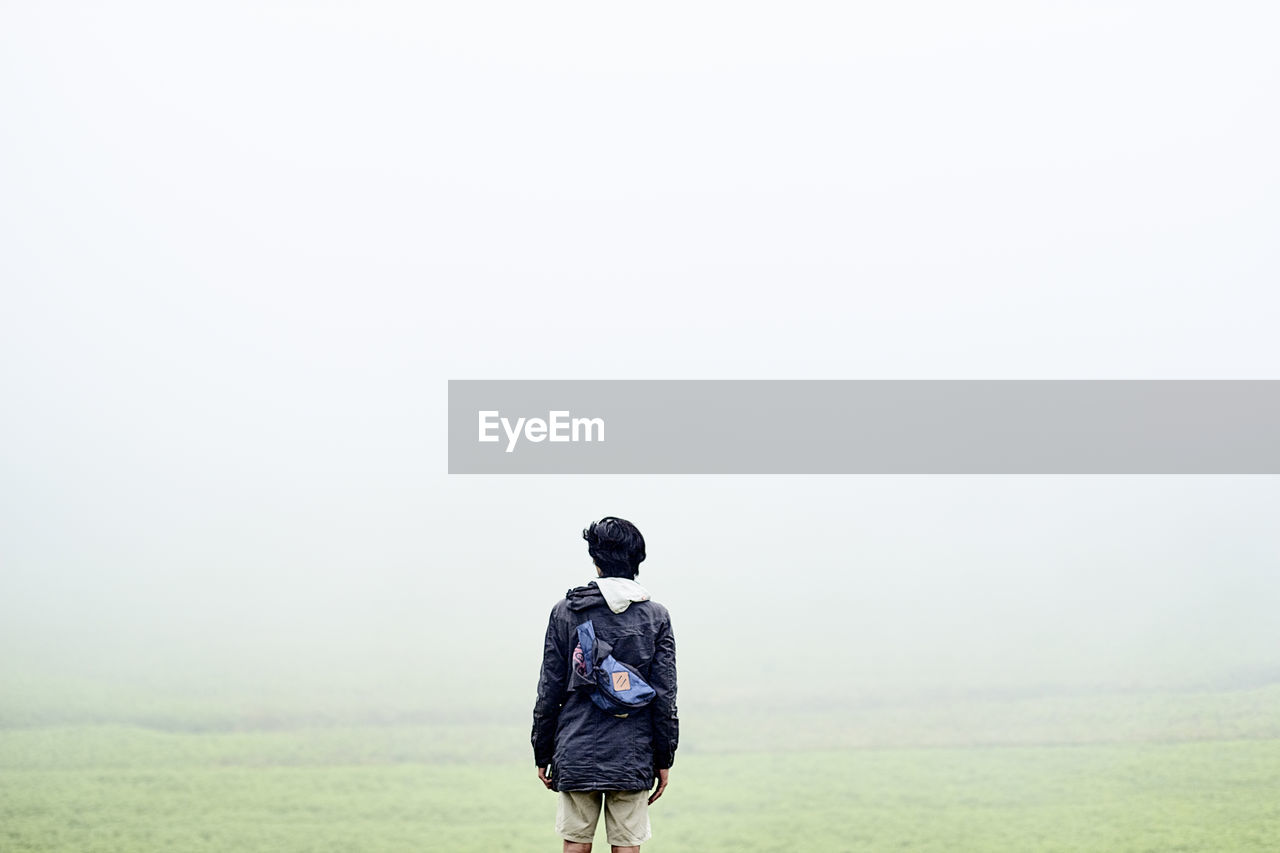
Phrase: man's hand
(663,775)
(542,774)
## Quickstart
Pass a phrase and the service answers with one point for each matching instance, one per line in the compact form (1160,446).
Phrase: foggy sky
(243,248)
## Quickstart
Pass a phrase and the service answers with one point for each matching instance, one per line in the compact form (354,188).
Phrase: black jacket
(587,748)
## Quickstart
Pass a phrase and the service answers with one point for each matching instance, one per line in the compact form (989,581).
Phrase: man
(591,757)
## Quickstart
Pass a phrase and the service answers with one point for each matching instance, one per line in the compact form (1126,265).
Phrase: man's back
(588,748)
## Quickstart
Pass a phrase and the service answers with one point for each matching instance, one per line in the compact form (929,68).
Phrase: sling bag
(617,688)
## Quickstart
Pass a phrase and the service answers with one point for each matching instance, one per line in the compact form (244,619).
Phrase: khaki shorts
(626,816)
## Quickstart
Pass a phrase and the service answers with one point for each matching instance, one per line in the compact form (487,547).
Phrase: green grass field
(1198,772)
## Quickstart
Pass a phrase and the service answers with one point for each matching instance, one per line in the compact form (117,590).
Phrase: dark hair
(616,546)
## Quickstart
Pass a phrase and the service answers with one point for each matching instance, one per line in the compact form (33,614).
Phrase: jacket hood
(618,593)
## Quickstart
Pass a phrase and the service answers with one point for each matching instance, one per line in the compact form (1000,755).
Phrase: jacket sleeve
(666,722)
(551,690)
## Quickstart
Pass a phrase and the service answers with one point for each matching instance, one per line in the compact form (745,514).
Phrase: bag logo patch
(621,680)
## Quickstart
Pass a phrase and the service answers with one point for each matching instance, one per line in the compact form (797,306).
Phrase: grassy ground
(757,784)
(1109,774)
